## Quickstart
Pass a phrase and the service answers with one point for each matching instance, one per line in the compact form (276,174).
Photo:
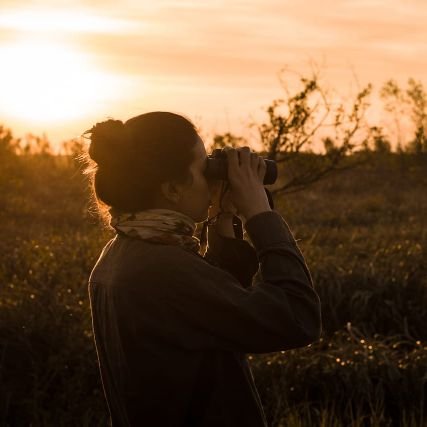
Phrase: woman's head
(154,160)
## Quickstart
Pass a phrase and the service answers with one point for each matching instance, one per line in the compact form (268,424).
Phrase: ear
(171,191)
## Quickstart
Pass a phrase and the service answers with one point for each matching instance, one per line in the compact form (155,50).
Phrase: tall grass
(363,234)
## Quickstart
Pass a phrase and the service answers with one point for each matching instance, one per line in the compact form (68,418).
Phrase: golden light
(47,81)
(63,21)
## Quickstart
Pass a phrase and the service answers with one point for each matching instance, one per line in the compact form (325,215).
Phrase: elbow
(310,327)
(316,331)
(308,335)
(313,334)
(315,322)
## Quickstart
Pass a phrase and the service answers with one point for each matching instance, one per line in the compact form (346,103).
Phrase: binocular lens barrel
(217,168)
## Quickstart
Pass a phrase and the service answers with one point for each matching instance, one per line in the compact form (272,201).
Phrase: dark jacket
(172,327)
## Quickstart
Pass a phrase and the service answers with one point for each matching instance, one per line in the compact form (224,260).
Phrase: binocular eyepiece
(217,168)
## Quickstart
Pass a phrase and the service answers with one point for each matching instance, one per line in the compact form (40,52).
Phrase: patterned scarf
(162,226)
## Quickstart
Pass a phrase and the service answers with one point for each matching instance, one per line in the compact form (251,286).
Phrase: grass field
(364,237)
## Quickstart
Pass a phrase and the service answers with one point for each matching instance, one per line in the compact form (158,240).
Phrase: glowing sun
(46,81)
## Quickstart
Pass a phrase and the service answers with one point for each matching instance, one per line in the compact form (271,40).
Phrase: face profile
(195,197)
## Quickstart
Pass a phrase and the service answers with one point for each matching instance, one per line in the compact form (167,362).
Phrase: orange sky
(71,64)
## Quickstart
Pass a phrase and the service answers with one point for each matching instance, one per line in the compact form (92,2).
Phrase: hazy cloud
(233,50)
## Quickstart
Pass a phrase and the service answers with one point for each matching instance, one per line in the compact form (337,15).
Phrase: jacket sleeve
(235,255)
(206,307)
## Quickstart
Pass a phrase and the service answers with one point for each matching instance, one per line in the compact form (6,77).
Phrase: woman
(171,325)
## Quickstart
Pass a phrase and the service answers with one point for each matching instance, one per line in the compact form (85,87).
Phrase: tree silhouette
(227,140)
(381,143)
(412,102)
(8,144)
(294,121)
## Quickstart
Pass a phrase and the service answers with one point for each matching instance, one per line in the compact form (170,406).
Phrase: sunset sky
(67,65)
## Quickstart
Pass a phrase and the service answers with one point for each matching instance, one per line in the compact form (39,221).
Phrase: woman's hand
(245,195)
(246,171)
(224,204)
(221,204)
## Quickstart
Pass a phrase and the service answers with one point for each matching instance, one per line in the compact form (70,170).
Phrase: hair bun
(108,141)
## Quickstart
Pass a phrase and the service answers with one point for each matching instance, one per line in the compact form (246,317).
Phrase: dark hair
(134,158)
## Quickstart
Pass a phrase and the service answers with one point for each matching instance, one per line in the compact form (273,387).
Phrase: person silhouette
(173,323)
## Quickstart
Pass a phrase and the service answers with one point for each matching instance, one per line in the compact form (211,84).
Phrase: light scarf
(162,226)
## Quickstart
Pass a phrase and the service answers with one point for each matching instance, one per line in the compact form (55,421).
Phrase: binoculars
(217,168)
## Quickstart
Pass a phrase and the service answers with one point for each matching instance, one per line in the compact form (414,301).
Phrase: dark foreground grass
(364,237)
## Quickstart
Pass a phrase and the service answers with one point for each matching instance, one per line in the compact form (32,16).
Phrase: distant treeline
(363,236)
(301,119)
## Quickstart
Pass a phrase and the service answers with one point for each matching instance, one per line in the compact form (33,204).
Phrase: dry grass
(364,237)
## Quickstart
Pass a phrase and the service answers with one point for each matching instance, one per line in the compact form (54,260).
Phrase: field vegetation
(363,233)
